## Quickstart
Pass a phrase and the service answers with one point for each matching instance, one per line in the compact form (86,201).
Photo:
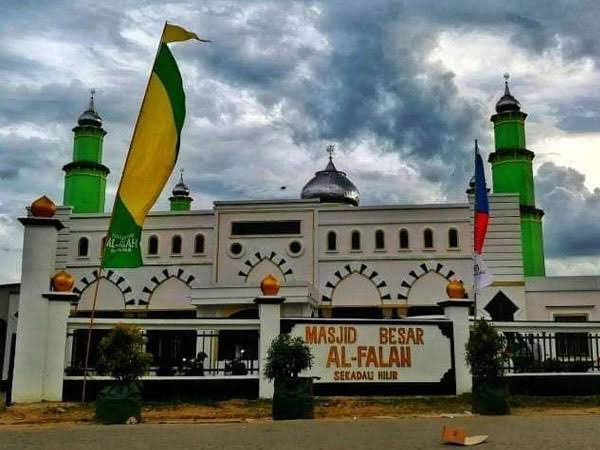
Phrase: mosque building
(333,256)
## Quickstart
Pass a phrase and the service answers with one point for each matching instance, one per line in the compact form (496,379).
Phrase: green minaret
(181,200)
(85,176)
(512,172)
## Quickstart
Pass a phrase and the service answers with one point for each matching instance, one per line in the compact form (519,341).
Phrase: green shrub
(122,354)
(486,353)
(287,357)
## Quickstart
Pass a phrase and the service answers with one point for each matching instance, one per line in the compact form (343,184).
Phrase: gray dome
(331,186)
(181,189)
(90,117)
(507,103)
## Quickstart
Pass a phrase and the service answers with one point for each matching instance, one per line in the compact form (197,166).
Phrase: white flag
(483,276)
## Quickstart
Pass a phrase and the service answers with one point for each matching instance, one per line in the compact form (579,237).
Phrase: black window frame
(153,243)
(80,253)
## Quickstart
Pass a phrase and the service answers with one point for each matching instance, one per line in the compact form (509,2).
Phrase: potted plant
(293,396)
(486,357)
(122,356)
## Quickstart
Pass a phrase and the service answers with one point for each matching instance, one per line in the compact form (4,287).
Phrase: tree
(486,353)
(287,357)
(122,354)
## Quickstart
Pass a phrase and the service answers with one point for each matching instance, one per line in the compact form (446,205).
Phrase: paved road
(522,433)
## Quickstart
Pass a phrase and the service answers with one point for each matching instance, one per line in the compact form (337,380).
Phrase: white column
(39,248)
(59,306)
(269,313)
(458,312)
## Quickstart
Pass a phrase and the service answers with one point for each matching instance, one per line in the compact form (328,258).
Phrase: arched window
(355,244)
(453,238)
(176,245)
(153,245)
(404,243)
(428,238)
(83,247)
(199,244)
(379,240)
(331,241)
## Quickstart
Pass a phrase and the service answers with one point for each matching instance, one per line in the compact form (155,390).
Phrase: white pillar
(39,249)
(269,313)
(458,312)
(59,306)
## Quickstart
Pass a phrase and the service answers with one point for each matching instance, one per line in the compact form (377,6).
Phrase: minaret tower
(85,176)
(181,200)
(512,172)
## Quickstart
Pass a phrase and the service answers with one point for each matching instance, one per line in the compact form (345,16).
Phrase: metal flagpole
(92,315)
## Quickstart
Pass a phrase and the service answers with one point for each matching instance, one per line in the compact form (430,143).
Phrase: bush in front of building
(486,357)
(287,357)
(123,357)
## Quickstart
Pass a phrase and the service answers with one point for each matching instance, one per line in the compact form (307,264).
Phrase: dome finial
(90,116)
(92,107)
(507,103)
(181,189)
(331,151)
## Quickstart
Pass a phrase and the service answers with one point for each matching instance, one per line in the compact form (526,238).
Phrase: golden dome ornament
(456,289)
(269,285)
(43,207)
(62,281)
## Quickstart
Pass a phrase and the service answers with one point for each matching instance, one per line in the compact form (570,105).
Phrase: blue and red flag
(482,209)
(482,275)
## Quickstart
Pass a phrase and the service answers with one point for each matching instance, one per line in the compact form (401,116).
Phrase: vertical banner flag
(152,154)
(482,275)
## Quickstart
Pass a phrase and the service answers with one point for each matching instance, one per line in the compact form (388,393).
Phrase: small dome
(90,116)
(507,103)
(181,189)
(331,186)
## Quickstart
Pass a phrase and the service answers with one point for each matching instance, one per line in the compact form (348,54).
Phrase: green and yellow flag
(152,154)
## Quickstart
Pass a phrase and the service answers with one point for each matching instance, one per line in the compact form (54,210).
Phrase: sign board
(377,351)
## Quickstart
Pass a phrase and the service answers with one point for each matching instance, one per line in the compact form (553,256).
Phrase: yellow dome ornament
(456,289)
(43,207)
(62,281)
(269,285)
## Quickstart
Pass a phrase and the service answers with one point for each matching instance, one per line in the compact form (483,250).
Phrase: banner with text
(377,352)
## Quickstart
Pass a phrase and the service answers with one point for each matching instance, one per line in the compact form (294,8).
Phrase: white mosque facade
(333,257)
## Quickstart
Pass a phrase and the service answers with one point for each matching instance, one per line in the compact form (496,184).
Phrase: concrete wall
(550,296)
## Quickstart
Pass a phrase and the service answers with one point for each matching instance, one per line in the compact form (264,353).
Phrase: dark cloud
(572,220)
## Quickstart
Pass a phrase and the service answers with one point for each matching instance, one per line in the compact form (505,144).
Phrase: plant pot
(491,399)
(293,399)
(119,403)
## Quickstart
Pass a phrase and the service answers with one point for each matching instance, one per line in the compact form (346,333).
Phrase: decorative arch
(361,269)
(262,255)
(161,277)
(110,275)
(423,269)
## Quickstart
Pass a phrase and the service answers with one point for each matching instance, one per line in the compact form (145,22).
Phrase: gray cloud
(572,220)
(279,82)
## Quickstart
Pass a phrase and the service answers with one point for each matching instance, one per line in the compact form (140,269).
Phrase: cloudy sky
(401,87)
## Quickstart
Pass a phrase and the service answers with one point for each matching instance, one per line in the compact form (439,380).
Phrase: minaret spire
(85,175)
(512,173)
(181,200)
(92,107)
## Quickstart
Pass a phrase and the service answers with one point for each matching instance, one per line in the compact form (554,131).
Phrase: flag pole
(473,248)
(103,247)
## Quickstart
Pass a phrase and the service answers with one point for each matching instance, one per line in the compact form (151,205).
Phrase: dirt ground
(326,408)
